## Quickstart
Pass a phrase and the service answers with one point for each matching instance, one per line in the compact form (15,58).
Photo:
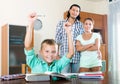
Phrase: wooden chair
(25,69)
(103,69)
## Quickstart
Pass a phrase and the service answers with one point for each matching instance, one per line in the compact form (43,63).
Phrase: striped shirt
(62,40)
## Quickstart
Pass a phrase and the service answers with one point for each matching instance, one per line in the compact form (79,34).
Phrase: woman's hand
(99,55)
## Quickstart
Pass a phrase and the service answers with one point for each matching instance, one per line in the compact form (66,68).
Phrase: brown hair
(89,19)
(48,41)
(68,14)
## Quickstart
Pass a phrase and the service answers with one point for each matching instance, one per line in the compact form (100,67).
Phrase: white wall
(16,12)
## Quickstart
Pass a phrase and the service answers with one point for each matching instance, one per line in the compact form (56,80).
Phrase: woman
(89,45)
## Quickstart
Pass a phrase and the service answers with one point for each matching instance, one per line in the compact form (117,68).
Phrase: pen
(41,15)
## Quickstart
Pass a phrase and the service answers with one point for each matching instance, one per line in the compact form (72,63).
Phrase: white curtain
(114,38)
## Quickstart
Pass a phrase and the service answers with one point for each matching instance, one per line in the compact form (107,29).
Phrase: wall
(0,52)
(16,12)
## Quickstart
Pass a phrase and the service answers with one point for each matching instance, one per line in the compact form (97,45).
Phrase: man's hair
(49,42)
(68,14)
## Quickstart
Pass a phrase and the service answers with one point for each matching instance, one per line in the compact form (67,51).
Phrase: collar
(43,61)
(76,21)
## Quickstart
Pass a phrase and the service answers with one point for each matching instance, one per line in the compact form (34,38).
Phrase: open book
(85,75)
(47,76)
(64,75)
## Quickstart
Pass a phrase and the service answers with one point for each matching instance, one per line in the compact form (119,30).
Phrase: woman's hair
(49,42)
(89,19)
(68,14)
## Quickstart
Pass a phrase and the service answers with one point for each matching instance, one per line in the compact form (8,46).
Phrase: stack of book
(12,77)
(91,75)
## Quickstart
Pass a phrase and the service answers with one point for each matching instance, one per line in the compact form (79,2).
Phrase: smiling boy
(46,61)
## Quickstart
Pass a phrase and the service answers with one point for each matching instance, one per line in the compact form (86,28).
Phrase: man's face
(48,52)
(74,12)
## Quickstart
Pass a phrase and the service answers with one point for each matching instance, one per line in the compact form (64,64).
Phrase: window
(114,36)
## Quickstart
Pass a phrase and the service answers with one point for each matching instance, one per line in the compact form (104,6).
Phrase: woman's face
(74,12)
(88,25)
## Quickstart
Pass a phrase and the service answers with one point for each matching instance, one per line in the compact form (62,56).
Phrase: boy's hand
(68,29)
(57,57)
(32,17)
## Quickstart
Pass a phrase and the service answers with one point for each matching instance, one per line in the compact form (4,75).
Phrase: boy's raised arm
(29,37)
(67,27)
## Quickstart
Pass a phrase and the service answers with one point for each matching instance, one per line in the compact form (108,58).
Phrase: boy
(46,61)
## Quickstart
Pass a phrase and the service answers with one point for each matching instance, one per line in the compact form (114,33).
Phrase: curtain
(114,38)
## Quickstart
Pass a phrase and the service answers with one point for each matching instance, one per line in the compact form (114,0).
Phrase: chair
(103,69)
(25,69)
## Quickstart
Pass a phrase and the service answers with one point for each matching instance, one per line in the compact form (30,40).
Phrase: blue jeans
(71,68)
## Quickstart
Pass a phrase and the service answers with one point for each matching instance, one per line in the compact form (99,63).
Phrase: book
(37,77)
(63,75)
(91,75)
(49,75)
(56,76)
(12,77)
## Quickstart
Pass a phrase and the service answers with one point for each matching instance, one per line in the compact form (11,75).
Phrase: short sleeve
(78,37)
(29,52)
(63,62)
(97,35)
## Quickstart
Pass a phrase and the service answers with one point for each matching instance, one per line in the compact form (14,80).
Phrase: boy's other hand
(57,57)
(67,27)
(32,17)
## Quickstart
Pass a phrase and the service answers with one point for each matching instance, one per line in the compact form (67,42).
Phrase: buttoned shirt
(62,40)
(38,65)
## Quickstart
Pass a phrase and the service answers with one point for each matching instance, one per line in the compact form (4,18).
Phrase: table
(73,81)
(108,79)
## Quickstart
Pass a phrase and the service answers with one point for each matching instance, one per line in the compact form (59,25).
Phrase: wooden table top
(108,79)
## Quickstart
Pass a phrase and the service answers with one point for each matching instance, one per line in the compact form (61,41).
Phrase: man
(61,39)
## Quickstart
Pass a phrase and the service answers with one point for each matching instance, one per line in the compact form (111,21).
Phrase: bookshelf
(12,48)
